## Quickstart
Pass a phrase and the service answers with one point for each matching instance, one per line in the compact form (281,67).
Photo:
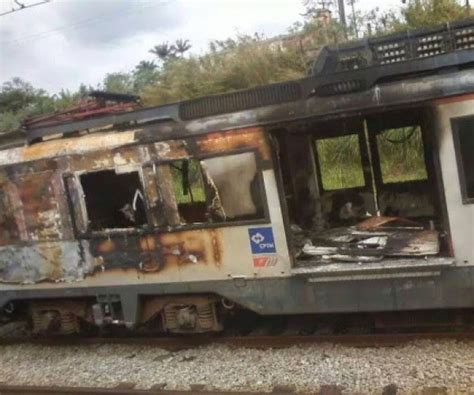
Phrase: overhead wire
(24,7)
(82,23)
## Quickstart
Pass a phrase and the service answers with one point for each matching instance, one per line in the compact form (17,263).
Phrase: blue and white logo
(261,240)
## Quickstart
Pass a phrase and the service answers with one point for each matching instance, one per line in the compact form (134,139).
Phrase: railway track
(27,390)
(260,341)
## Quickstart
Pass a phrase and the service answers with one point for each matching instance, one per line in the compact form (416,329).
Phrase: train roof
(430,63)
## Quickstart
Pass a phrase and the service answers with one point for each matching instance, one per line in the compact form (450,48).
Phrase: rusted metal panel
(168,206)
(150,183)
(90,151)
(84,144)
(238,139)
(157,252)
(8,227)
(193,247)
(119,158)
(39,206)
(76,200)
(173,149)
(66,147)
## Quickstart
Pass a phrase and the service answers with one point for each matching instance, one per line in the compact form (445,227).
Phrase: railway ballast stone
(415,367)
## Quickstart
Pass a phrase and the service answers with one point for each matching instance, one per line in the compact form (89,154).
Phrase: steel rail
(47,390)
(259,342)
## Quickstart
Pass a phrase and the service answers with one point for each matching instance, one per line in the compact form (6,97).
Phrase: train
(350,190)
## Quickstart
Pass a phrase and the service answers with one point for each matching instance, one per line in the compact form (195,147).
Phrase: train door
(454,122)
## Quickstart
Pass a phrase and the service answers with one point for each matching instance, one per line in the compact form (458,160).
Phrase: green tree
(239,63)
(19,100)
(425,13)
(118,82)
(414,14)
(145,74)
(67,99)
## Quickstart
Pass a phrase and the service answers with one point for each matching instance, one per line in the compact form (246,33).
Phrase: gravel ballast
(411,367)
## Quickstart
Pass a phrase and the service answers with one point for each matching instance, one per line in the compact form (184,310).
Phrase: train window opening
(340,162)
(218,189)
(345,195)
(401,155)
(113,201)
(463,133)
(402,169)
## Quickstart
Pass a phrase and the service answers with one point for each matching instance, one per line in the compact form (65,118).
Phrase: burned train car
(351,190)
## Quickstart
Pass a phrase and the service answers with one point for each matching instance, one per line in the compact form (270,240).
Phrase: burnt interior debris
(113,201)
(371,241)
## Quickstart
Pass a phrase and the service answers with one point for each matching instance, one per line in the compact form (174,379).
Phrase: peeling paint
(48,237)
(52,261)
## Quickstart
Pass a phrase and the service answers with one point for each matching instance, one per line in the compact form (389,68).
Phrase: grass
(400,151)
(405,161)
(340,162)
(196,184)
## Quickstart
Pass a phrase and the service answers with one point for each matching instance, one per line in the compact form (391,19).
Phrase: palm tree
(163,51)
(145,66)
(181,46)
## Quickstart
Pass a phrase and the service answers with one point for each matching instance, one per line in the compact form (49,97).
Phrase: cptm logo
(261,240)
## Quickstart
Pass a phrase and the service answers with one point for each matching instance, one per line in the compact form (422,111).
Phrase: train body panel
(157,251)
(309,203)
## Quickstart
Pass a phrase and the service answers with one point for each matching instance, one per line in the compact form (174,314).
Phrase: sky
(63,43)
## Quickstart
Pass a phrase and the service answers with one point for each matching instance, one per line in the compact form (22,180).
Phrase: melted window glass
(235,186)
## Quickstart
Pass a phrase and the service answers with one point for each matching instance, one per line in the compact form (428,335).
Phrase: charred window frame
(132,218)
(173,222)
(463,137)
(400,135)
(379,124)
